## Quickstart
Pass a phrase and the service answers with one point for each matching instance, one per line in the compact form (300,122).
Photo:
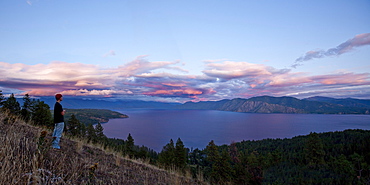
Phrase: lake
(154,128)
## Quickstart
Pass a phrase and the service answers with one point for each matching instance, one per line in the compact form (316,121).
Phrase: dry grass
(26,158)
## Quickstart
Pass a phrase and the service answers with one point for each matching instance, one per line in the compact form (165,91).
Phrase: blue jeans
(57,134)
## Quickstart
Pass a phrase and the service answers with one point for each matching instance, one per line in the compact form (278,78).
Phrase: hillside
(268,104)
(93,116)
(341,157)
(26,158)
(78,103)
(348,102)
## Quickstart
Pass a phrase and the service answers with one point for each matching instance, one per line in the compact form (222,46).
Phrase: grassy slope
(26,157)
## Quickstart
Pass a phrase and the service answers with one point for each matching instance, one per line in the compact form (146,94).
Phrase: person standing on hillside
(58,121)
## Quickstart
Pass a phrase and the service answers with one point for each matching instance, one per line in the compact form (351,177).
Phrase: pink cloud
(343,79)
(74,78)
(230,70)
(357,41)
(141,66)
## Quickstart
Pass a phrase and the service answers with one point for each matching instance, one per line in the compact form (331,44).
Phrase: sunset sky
(178,51)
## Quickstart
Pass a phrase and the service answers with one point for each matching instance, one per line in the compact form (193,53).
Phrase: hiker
(58,121)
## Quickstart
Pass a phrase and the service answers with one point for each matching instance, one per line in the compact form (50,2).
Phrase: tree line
(341,157)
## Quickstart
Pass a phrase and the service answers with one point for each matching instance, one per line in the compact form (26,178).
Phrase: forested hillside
(268,104)
(348,102)
(93,116)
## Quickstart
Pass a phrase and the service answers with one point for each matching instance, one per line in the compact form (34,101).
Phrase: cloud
(110,53)
(245,80)
(140,65)
(231,70)
(349,45)
(77,78)
(141,79)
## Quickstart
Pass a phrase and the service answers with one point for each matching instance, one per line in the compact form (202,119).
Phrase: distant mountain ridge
(260,104)
(348,102)
(268,104)
(79,103)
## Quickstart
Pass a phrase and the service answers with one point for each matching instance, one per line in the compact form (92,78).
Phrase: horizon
(185,51)
(20,97)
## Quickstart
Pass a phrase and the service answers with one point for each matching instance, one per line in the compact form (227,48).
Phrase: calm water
(196,128)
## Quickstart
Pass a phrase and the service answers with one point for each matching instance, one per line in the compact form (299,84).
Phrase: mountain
(79,103)
(261,104)
(268,104)
(348,102)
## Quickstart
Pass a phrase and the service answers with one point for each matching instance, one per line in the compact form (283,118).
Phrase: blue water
(196,128)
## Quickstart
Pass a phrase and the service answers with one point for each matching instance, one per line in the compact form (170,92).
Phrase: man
(58,121)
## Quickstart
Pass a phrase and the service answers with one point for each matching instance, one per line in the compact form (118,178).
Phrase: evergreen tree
(130,145)
(221,171)
(12,105)
(314,150)
(254,168)
(360,166)
(223,166)
(241,172)
(41,114)
(27,107)
(167,155)
(213,158)
(2,98)
(342,166)
(234,153)
(82,128)
(180,154)
(91,134)
(212,152)
(73,127)
(99,132)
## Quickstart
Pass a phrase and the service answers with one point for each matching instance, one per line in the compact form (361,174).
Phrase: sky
(179,51)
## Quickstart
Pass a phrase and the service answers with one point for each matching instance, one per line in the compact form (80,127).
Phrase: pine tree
(82,130)
(180,154)
(167,155)
(213,158)
(130,145)
(73,126)
(2,98)
(254,168)
(27,107)
(99,132)
(212,152)
(41,114)
(12,105)
(234,153)
(314,150)
(224,169)
(91,134)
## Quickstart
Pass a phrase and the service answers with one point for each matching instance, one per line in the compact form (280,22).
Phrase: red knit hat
(58,96)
